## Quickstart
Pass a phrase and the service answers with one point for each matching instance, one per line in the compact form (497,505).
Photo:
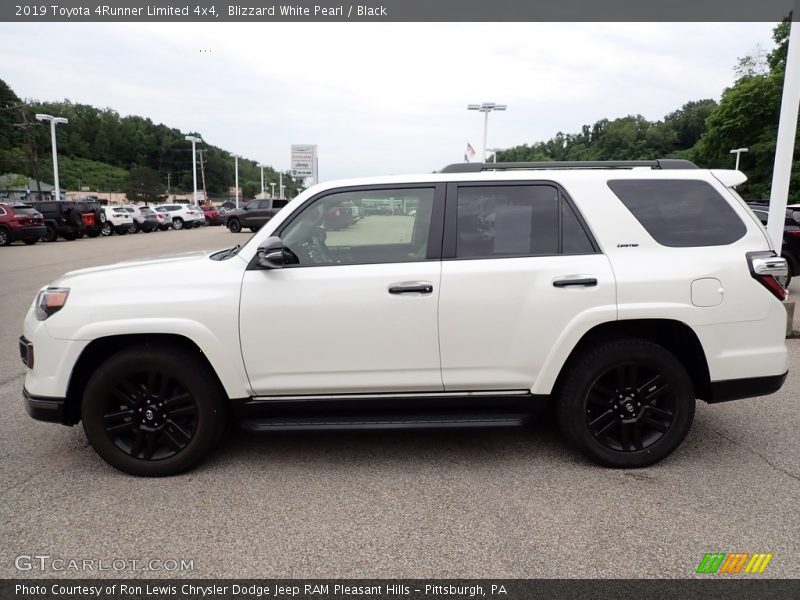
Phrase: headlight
(49,301)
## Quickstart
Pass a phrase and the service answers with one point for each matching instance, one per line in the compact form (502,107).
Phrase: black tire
(31,241)
(74,217)
(254,229)
(122,230)
(106,229)
(177,223)
(134,228)
(50,234)
(93,233)
(626,403)
(153,411)
(188,224)
(5,237)
(70,237)
(234,226)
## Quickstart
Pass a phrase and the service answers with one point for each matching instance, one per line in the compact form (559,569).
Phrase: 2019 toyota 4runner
(618,293)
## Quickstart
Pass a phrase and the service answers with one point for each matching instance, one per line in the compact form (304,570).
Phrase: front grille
(26,352)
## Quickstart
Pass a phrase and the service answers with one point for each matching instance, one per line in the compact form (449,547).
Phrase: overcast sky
(376,98)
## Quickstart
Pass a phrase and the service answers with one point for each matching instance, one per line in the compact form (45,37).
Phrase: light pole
(737,152)
(53,122)
(485,108)
(236,185)
(280,187)
(263,191)
(494,152)
(272,185)
(194,140)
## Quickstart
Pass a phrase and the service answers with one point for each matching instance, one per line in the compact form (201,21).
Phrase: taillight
(793,232)
(765,267)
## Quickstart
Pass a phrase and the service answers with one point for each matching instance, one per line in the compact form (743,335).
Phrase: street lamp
(280,186)
(194,140)
(272,185)
(485,108)
(737,152)
(236,185)
(494,152)
(53,122)
(263,191)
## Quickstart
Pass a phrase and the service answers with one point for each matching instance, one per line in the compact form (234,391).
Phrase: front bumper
(43,408)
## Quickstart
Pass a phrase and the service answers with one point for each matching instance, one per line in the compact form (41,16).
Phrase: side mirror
(270,255)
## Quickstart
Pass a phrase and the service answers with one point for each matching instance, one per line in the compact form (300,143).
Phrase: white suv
(619,292)
(115,219)
(183,216)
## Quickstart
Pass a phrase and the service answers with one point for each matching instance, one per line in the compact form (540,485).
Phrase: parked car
(790,249)
(164,220)
(253,215)
(144,218)
(212,215)
(69,220)
(182,216)
(116,220)
(20,222)
(535,287)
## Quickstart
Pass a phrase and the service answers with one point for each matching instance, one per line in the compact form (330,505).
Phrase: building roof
(13,182)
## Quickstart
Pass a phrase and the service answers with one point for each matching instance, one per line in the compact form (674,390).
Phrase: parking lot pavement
(511,503)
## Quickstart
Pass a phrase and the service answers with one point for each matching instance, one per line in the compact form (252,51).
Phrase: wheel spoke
(118,416)
(136,448)
(121,427)
(654,394)
(180,434)
(624,436)
(602,423)
(599,399)
(150,447)
(177,399)
(632,373)
(655,423)
(636,434)
(660,413)
(183,411)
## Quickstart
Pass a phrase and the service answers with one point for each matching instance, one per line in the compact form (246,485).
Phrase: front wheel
(234,225)
(626,403)
(106,229)
(177,223)
(5,237)
(50,234)
(152,411)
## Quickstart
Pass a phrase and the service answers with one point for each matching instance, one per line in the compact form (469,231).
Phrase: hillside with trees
(703,131)
(104,151)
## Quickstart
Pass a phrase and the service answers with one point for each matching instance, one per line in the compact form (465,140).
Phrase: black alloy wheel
(153,410)
(50,234)
(625,403)
(234,225)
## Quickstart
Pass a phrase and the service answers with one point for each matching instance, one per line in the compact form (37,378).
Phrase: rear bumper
(33,232)
(736,389)
(42,408)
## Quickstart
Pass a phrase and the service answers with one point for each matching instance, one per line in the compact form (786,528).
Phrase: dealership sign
(304,160)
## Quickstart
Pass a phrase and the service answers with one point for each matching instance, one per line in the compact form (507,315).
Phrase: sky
(377,98)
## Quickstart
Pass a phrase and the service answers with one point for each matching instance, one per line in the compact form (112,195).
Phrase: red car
(213,216)
(20,222)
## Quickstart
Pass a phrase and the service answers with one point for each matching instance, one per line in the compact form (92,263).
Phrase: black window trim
(449,243)
(435,235)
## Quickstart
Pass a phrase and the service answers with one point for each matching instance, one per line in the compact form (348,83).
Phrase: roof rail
(664,163)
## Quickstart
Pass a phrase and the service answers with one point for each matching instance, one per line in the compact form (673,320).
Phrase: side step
(335,422)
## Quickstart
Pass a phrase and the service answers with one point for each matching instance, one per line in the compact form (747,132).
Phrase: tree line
(101,150)
(703,131)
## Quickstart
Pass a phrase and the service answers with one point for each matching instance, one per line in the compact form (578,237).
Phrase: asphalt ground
(504,503)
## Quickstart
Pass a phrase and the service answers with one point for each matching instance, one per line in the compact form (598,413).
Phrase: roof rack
(664,163)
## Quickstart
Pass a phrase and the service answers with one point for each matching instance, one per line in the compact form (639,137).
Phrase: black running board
(389,421)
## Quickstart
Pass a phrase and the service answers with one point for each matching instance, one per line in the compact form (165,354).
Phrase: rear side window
(517,220)
(680,213)
(279,203)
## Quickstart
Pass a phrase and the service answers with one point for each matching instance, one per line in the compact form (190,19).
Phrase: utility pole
(203,174)
(33,157)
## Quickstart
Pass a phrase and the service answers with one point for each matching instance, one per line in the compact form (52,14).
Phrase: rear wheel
(177,223)
(70,237)
(50,234)
(254,229)
(5,237)
(152,411)
(626,403)
(134,228)
(234,225)
(106,229)
(93,233)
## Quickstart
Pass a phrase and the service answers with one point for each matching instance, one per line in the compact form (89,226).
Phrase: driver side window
(361,227)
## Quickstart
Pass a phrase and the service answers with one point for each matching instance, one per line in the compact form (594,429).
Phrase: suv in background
(618,293)
(212,215)
(144,218)
(253,215)
(20,222)
(183,216)
(69,220)
(116,220)
(790,248)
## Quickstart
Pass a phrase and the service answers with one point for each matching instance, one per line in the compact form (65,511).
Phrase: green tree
(144,185)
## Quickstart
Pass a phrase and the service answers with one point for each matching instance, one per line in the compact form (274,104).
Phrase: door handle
(411,287)
(568,281)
